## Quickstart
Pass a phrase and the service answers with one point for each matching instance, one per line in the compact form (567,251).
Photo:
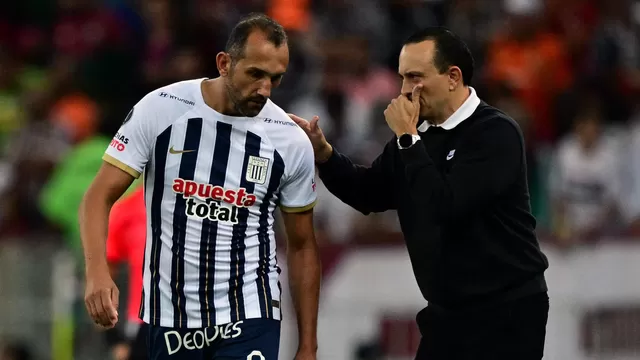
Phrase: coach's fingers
(415,94)
(299,121)
(313,125)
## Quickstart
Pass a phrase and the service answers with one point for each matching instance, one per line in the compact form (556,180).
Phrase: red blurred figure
(125,244)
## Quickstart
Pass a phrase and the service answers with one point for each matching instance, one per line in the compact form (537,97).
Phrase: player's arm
(115,339)
(124,161)
(304,275)
(102,295)
(297,199)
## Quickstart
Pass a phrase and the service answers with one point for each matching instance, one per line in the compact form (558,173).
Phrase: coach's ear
(223,62)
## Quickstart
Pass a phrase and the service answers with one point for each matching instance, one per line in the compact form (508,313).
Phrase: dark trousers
(511,331)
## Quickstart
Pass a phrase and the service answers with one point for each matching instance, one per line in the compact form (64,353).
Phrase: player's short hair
(450,50)
(274,32)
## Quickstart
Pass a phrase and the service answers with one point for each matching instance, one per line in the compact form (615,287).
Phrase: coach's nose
(407,88)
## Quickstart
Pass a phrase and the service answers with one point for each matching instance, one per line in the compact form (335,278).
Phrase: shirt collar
(467,109)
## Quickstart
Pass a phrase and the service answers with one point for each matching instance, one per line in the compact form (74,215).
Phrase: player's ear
(223,62)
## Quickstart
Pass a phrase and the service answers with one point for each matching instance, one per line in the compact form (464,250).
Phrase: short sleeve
(130,148)
(298,193)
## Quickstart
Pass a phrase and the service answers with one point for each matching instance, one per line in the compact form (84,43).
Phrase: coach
(455,171)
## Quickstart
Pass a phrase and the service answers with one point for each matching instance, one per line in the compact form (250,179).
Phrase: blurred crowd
(567,70)
(15,351)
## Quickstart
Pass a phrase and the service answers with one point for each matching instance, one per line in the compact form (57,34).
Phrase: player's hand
(321,147)
(101,299)
(402,114)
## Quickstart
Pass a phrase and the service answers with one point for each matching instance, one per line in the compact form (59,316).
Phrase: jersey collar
(468,107)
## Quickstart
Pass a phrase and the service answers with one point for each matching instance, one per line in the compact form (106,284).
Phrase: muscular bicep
(299,229)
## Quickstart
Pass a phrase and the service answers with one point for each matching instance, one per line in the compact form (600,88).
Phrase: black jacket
(463,203)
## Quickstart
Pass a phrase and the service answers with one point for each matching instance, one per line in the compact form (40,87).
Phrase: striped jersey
(212,184)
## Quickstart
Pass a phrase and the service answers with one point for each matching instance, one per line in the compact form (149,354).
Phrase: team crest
(257,168)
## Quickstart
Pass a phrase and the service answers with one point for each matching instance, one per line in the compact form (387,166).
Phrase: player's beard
(249,106)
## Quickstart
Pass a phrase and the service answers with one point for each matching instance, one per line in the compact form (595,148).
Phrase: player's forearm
(94,224)
(304,279)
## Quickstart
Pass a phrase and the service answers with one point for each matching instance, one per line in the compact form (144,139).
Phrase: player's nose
(265,88)
(265,93)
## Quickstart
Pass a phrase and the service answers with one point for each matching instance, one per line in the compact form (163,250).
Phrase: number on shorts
(255,355)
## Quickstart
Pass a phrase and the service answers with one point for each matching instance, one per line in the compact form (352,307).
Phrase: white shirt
(588,182)
(467,109)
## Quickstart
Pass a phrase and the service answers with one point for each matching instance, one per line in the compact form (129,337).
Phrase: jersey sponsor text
(206,201)
(200,338)
(119,142)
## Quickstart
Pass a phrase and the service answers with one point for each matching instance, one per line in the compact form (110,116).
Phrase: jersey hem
(185,324)
(298,209)
(120,165)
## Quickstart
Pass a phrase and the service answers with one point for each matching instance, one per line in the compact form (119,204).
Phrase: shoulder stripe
(298,209)
(120,165)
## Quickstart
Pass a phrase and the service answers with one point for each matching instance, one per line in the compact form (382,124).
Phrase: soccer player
(218,157)
(125,244)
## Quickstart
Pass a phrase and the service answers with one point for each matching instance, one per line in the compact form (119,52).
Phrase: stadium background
(567,70)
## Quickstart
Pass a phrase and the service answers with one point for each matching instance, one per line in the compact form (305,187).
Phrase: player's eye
(276,79)
(256,74)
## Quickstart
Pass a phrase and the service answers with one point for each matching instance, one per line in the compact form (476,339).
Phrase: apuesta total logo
(206,201)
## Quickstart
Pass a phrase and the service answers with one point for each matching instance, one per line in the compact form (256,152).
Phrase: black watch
(405,141)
